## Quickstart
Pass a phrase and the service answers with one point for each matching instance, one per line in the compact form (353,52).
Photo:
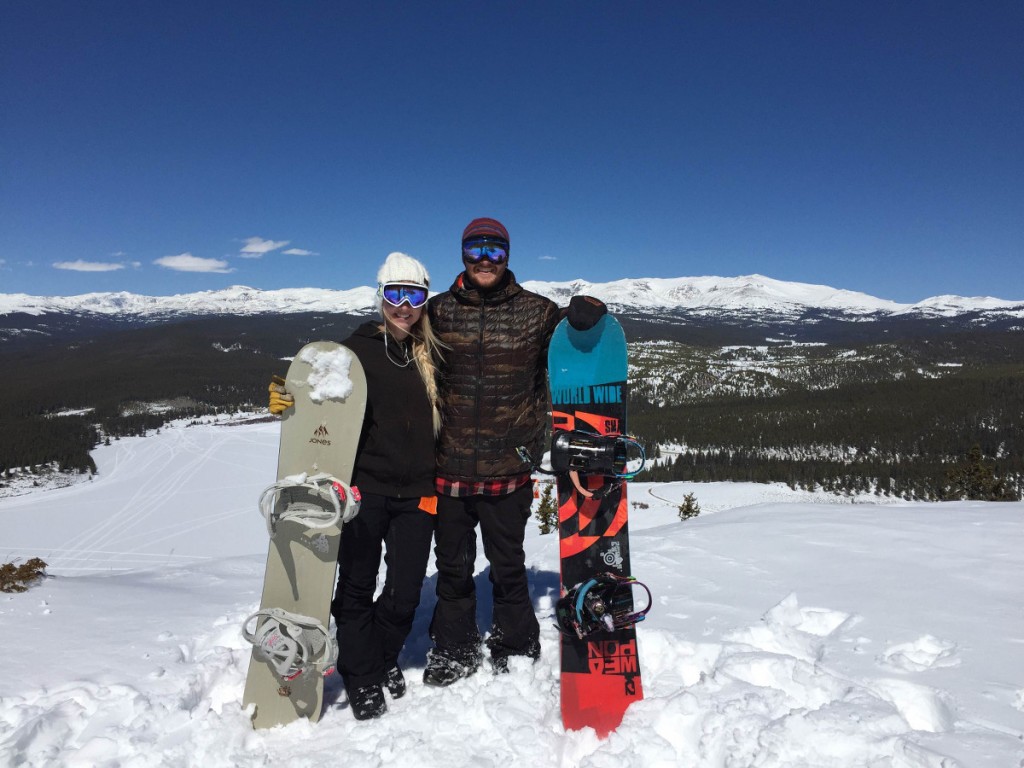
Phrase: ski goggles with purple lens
(475,251)
(395,293)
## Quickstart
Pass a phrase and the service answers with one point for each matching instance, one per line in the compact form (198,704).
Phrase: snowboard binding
(575,452)
(343,501)
(290,643)
(603,603)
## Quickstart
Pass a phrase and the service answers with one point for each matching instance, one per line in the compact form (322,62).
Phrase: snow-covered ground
(787,630)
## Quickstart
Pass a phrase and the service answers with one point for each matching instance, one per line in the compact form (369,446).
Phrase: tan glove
(280,400)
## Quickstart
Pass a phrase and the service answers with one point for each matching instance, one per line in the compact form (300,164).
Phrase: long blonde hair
(426,351)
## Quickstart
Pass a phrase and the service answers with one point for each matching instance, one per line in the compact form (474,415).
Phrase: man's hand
(280,400)
(585,311)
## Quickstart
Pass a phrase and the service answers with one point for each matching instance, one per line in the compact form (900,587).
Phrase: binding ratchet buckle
(603,603)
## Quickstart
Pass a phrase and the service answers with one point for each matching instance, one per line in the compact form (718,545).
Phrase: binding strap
(343,501)
(291,643)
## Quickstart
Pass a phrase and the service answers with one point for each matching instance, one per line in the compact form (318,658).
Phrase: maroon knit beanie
(485,228)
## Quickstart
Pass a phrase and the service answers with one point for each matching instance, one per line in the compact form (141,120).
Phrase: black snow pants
(371,633)
(502,521)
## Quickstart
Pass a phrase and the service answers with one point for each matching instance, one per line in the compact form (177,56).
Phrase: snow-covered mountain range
(695,295)
(236,300)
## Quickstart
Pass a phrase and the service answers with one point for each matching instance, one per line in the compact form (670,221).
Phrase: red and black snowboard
(588,377)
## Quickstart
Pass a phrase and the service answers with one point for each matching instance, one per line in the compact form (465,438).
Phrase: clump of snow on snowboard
(328,379)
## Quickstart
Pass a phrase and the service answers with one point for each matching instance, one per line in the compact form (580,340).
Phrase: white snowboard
(319,435)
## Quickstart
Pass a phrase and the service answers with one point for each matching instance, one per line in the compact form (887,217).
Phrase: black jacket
(396,446)
(493,380)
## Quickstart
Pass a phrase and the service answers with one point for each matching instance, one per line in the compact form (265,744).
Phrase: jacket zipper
(479,391)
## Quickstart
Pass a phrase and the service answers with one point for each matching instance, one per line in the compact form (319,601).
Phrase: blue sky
(175,147)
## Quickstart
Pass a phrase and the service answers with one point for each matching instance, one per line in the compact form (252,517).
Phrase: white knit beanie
(401,268)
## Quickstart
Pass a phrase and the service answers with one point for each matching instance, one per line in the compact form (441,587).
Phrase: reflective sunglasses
(395,293)
(475,251)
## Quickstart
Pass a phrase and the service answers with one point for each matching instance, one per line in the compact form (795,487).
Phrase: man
(494,399)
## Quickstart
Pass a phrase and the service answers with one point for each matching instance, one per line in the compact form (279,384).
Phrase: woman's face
(401,319)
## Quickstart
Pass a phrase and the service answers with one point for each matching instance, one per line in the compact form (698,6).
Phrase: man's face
(488,270)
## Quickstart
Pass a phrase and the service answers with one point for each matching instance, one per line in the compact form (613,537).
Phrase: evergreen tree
(689,508)
(977,481)
(547,512)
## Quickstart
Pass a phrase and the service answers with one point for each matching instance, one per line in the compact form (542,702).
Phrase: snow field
(785,632)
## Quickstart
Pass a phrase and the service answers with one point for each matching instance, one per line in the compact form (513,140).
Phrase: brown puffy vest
(493,379)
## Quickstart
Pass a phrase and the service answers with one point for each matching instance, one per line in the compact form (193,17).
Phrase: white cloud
(547,258)
(299,252)
(255,247)
(87,266)
(186,262)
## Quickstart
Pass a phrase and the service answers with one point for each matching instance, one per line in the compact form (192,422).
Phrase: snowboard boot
(442,670)
(499,661)
(367,702)
(395,682)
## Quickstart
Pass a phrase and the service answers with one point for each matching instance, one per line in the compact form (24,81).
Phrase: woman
(394,471)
